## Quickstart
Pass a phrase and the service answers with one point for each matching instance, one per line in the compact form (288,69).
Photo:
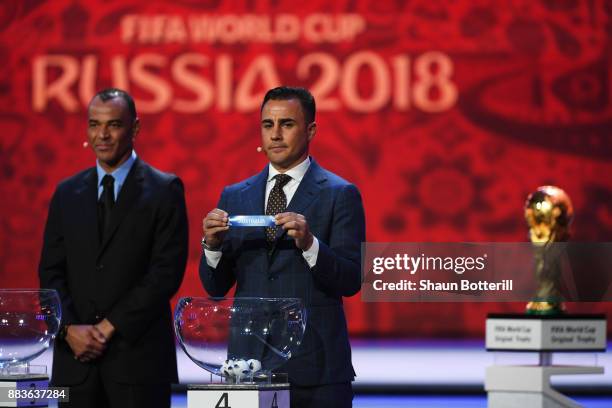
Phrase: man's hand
(296,227)
(106,328)
(86,341)
(215,227)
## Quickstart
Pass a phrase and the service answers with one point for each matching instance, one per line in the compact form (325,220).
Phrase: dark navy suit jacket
(334,212)
(129,277)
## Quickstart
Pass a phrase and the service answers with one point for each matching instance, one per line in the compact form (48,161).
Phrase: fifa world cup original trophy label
(549,213)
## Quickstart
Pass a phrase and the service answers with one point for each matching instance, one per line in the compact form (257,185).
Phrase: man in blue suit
(313,253)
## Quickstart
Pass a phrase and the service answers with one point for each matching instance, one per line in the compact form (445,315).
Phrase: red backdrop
(445,114)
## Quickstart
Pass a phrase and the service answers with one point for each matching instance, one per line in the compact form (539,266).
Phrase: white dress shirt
(297,174)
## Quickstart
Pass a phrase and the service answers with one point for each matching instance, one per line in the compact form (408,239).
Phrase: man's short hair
(283,93)
(112,93)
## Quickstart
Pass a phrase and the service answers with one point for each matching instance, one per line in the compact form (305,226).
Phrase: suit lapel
(88,202)
(253,195)
(307,191)
(131,190)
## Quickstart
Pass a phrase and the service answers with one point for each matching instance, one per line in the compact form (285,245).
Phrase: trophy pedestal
(529,386)
(519,386)
(227,395)
(23,380)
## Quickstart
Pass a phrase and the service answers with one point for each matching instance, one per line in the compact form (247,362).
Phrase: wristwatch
(207,247)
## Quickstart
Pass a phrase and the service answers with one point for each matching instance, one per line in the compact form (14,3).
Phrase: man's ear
(312,130)
(135,128)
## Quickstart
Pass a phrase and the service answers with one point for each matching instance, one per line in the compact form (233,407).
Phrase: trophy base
(238,395)
(519,386)
(546,333)
(529,386)
(544,308)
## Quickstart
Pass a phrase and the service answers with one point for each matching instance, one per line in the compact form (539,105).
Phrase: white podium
(238,396)
(28,380)
(521,386)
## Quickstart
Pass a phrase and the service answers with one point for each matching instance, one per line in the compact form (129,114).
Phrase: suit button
(272,278)
(99,267)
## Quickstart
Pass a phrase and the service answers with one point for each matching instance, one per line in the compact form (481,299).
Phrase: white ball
(227,368)
(240,369)
(254,365)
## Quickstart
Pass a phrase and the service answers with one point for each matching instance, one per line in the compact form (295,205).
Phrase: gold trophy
(548,212)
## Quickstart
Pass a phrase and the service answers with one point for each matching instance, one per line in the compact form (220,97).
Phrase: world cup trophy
(549,213)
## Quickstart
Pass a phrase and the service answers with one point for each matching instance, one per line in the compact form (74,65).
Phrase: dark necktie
(277,203)
(106,203)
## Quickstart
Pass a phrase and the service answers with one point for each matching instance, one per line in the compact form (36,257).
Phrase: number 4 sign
(219,397)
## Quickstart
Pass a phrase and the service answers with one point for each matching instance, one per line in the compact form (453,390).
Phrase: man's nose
(104,132)
(277,133)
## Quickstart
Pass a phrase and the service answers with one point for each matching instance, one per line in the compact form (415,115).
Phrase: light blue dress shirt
(119,175)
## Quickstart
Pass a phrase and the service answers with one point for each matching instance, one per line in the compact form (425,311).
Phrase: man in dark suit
(115,249)
(313,253)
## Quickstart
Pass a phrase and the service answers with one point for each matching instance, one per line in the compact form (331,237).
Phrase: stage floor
(429,401)
(179,400)
(440,367)
(453,401)
(432,374)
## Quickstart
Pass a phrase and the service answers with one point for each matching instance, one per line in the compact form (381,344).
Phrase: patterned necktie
(106,203)
(277,203)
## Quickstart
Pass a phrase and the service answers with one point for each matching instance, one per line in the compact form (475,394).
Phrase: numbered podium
(24,390)
(238,396)
(520,386)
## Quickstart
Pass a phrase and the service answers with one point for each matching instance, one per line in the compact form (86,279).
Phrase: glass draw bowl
(240,339)
(29,320)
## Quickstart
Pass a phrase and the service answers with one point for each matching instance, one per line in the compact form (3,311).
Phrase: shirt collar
(296,173)
(120,173)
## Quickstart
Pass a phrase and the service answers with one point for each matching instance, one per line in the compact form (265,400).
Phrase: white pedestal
(238,396)
(529,386)
(524,386)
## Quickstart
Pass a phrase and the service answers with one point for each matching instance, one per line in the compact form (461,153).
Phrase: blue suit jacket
(335,215)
